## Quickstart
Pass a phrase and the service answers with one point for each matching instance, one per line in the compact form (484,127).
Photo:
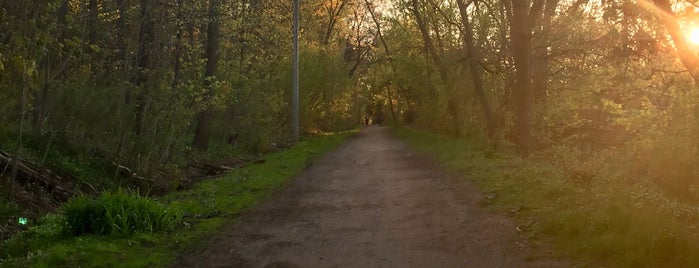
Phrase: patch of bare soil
(373,202)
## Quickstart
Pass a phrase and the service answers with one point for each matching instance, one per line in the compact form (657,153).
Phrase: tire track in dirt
(372,202)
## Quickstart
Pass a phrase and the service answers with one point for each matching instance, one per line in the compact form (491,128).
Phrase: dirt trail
(373,202)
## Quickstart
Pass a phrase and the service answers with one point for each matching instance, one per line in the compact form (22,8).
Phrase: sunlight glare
(694,36)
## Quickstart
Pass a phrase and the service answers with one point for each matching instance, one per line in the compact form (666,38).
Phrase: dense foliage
(597,83)
(148,85)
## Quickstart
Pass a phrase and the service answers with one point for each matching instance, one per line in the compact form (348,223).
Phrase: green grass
(608,222)
(204,209)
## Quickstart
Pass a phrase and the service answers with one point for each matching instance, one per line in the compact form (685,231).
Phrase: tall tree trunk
(124,65)
(521,45)
(143,70)
(540,53)
(474,56)
(201,136)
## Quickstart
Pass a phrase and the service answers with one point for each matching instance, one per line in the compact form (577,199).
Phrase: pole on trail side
(295,62)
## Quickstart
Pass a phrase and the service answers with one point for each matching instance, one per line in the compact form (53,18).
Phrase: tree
(523,16)
(540,51)
(202,133)
(474,68)
(334,10)
(433,53)
(687,55)
(144,64)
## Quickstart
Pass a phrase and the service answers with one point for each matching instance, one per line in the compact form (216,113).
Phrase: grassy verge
(203,210)
(599,220)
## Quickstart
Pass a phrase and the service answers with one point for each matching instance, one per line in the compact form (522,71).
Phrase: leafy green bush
(84,215)
(116,213)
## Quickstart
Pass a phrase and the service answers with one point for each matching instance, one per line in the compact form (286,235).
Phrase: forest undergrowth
(182,218)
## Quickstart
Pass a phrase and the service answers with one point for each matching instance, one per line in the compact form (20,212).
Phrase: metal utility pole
(295,62)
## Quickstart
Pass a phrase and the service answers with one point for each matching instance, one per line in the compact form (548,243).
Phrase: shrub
(116,213)
(84,215)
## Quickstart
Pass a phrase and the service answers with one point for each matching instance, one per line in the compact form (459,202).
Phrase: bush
(84,215)
(116,213)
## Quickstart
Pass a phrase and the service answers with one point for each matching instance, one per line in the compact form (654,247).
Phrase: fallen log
(215,170)
(59,184)
(132,177)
